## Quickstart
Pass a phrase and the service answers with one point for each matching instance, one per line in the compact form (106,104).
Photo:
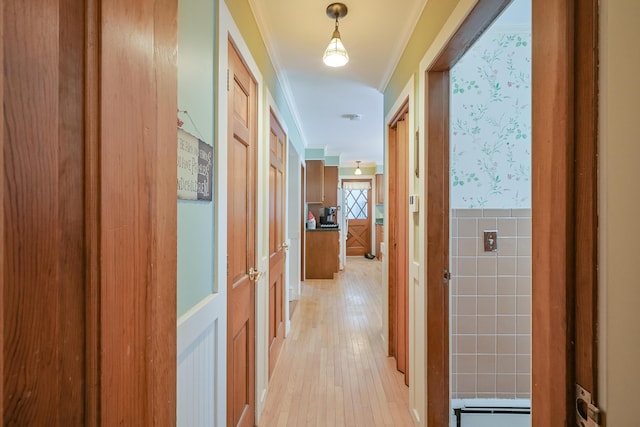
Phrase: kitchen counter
(324,229)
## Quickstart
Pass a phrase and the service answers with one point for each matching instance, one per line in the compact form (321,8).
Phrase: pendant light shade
(336,55)
(358,170)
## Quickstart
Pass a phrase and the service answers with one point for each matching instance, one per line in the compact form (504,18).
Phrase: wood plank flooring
(332,370)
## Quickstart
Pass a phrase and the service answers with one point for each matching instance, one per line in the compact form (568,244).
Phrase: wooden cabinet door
(331,186)
(315,181)
(379,189)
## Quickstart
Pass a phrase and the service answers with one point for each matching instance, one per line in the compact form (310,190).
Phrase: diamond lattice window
(357,203)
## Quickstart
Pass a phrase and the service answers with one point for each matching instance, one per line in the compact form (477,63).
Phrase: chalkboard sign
(195,168)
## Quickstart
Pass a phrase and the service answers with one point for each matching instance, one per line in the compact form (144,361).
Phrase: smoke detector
(352,116)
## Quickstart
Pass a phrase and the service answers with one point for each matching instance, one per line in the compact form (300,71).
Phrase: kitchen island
(322,253)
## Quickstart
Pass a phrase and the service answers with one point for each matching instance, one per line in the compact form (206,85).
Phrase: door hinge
(587,414)
(446,276)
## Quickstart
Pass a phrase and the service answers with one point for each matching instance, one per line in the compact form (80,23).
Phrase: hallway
(333,370)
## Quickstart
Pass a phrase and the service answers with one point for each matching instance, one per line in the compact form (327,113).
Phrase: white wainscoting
(200,400)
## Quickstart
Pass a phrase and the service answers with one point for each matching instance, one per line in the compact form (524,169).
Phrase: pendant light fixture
(336,55)
(358,170)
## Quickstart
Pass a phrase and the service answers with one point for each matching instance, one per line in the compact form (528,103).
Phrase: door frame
(564,197)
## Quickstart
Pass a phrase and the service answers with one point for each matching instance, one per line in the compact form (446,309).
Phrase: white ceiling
(374,33)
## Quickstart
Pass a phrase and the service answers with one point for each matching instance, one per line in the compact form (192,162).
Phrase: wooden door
(277,243)
(402,239)
(242,141)
(358,215)
(88,216)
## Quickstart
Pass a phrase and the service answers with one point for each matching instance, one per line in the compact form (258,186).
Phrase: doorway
(490,224)
(563,200)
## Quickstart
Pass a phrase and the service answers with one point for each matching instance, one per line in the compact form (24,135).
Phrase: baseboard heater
(487,410)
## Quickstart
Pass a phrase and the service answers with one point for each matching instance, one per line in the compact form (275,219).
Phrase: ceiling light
(358,170)
(336,55)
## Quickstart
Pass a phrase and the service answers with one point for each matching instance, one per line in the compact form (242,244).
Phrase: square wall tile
(487,224)
(506,305)
(467,246)
(524,227)
(506,266)
(467,306)
(523,304)
(466,364)
(486,305)
(453,227)
(523,364)
(466,286)
(523,266)
(487,365)
(507,246)
(487,285)
(467,227)
(523,284)
(506,383)
(524,246)
(467,266)
(506,285)
(506,325)
(506,364)
(486,325)
(506,344)
(487,266)
(507,227)
(523,325)
(466,344)
(486,383)
(523,344)
(467,325)
(486,344)
(523,385)
(467,383)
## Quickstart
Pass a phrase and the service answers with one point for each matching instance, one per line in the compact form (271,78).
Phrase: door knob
(254,275)
(284,246)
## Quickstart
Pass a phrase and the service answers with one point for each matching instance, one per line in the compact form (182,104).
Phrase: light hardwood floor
(332,370)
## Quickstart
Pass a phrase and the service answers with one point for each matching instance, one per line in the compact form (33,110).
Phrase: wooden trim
(552,195)
(437,205)
(480,18)
(2,215)
(586,182)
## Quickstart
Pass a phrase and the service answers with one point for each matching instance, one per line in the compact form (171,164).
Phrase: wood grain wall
(88,222)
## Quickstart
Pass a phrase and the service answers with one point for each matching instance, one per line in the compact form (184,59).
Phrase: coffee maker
(329,216)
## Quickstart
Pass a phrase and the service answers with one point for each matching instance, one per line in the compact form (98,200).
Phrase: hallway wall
(618,209)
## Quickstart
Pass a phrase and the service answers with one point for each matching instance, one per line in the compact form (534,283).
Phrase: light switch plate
(490,240)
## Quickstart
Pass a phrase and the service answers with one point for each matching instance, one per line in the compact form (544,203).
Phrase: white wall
(619,210)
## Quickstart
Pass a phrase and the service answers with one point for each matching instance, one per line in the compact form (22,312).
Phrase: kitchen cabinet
(379,240)
(330,186)
(380,189)
(322,253)
(315,181)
